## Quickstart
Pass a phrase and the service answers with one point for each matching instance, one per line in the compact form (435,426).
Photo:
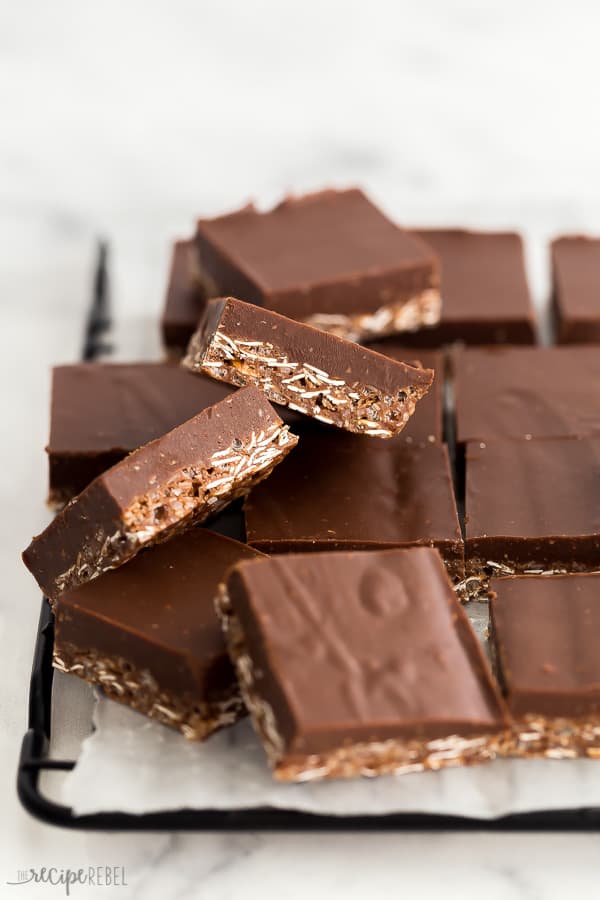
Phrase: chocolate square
(331,259)
(359,664)
(338,492)
(148,636)
(532,507)
(485,296)
(576,288)
(545,634)
(526,392)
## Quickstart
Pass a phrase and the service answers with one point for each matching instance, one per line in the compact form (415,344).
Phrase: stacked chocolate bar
(335,618)
(332,259)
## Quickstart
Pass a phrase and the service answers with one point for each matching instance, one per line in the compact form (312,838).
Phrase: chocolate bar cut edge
(196,718)
(242,344)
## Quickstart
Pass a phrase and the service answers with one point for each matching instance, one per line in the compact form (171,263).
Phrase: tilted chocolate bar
(359,664)
(428,426)
(485,297)
(100,412)
(576,289)
(185,298)
(147,633)
(526,392)
(545,634)
(311,372)
(532,507)
(175,481)
(340,492)
(331,259)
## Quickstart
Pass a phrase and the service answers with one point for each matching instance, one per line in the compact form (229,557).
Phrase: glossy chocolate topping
(546,633)
(534,501)
(98,407)
(527,392)
(329,252)
(341,491)
(485,297)
(576,288)
(157,612)
(390,651)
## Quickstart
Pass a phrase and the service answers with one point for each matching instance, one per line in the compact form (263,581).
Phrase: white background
(127,119)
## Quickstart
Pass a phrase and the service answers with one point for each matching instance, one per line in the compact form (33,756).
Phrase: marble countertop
(127,120)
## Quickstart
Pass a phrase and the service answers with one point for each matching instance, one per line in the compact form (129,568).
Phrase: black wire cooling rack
(33,759)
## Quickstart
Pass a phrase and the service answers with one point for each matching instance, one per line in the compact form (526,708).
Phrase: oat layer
(356,407)
(555,738)
(392,317)
(475,585)
(138,689)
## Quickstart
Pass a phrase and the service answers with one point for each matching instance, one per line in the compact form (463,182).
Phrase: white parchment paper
(134,765)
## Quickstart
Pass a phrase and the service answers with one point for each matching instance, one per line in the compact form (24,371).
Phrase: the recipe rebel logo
(90,876)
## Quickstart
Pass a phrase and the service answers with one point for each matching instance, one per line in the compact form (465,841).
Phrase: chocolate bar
(167,485)
(359,664)
(331,259)
(148,636)
(526,392)
(100,412)
(309,371)
(340,492)
(532,507)
(185,298)
(576,289)
(545,634)
(485,296)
